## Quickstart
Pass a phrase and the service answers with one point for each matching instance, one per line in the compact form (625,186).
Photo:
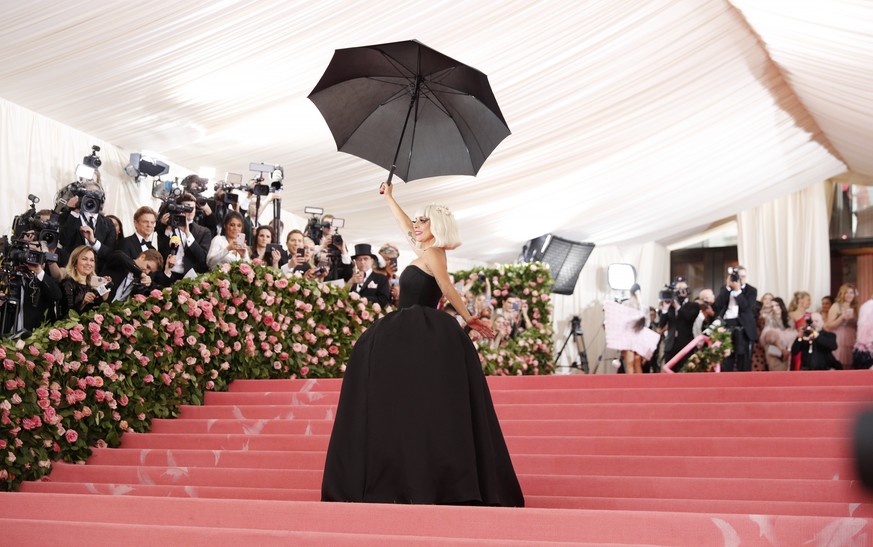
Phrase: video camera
(178,214)
(260,186)
(671,292)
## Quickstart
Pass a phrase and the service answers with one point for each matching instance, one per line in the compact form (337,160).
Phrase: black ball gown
(415,422)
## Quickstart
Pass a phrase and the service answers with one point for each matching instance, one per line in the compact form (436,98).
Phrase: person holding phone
(80,286)
(415,422)
(231,245)
(265,249)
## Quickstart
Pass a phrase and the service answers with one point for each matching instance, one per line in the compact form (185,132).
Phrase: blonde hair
(74,259)
(841,297)
(795,302)
(442,226)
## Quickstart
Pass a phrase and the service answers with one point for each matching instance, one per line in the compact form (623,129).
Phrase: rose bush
(87,380)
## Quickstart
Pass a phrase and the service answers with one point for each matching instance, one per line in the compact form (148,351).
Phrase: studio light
(621,277)
(141,165)
(564,257)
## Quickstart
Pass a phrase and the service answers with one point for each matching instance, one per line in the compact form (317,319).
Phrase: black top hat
(363,249)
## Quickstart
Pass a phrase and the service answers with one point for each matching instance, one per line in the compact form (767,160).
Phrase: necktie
(145,244)
(90,220)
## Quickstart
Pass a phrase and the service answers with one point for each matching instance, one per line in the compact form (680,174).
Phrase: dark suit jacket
(195,254)
(39,304)
(747,302)
(118,265)
(821,357)
(71,237)
(381,293)
(681,323)
(130,246)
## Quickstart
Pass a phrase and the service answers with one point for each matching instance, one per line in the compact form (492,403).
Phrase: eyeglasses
(420,220)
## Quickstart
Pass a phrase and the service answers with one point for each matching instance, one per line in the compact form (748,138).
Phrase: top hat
(363,249)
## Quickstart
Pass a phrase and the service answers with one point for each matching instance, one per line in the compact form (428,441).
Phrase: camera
(808,328)
(733,275)
(481,275)
(668,293)
(104,288)
(260,189)
(93,160)
(178,214)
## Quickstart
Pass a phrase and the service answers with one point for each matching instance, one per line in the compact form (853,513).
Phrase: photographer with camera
(815,346)
(340,263)
(515,311)
(83,289)
(296,258)
(29,296)
(266,250)
(132,275)
(84,224)
(205,210)
(737,303)
(179,235)
(678,314)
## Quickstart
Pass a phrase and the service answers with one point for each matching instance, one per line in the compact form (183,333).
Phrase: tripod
(575,331)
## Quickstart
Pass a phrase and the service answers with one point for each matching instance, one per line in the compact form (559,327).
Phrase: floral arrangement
(712,352)
(87,380)
(531,351)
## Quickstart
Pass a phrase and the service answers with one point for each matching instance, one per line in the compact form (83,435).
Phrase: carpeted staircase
(681,459)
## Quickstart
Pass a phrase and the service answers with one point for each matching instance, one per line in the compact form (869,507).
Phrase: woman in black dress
(80,284)
(415,422)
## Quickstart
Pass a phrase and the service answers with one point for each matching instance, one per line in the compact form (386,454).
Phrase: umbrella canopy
(410,109)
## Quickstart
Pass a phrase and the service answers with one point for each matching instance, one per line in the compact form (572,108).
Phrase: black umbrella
(410,109)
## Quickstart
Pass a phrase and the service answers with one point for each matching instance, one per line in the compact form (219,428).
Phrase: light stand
(575,331)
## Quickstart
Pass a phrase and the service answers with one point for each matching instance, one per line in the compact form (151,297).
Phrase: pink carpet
(704,459)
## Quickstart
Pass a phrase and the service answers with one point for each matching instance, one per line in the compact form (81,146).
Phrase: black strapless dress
(415,422)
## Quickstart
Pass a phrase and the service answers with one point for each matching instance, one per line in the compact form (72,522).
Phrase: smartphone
(301,251)
(241,238)
(393,261)
(272,247)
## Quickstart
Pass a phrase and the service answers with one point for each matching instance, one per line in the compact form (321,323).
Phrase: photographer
(84,224)
(191,242)
(815,346)
(737,304)
(341,266)
(205,214)
(265,248)
(83,289)
(131,275)
(678,314)
(296,259)
(31,296)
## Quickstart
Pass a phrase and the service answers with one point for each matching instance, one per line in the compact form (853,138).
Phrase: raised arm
(402,218)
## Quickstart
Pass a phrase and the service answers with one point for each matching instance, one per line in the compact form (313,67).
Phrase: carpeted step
(751,447)
(533,427)
(557,464)
(809,394)
(425,522)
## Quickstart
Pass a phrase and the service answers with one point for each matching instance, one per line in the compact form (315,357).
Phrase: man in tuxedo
(131,275)
(34,304)
(87,227)
(678,315)
(144,222)
(192,244)
(816,346)
(737,303)
(373,286)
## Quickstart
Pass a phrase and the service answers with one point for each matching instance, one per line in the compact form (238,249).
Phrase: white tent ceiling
(632,120)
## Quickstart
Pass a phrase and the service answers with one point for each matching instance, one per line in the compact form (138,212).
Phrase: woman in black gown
(415,422)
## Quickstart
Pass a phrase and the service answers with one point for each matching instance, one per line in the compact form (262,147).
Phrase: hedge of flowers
(87,380)
(711,353)
(531,351)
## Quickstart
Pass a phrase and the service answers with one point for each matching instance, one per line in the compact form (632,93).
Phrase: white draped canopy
(635,123)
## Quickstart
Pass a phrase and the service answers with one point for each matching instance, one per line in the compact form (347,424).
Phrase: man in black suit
(678,315)
(87,226)
(144,221)
(820,356)
(131,275)
(192,244)
(36,300)
(373,286)
(737,303)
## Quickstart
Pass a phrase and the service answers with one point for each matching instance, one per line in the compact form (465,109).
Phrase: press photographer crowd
(75,256)
(766,334)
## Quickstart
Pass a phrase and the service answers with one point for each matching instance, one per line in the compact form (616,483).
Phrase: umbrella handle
(388,182)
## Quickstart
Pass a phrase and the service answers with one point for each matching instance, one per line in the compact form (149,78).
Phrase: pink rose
(54,334)
(127,330)
(72,436)
(304,371)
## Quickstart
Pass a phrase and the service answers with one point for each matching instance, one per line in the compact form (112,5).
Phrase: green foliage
(711,353)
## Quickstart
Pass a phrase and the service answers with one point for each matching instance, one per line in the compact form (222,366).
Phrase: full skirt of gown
(415,421)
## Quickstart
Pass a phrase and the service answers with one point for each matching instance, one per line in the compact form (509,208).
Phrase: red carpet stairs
(702,459)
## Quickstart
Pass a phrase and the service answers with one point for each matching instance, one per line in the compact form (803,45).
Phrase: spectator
(798,314)
(296,258)
(191,244)
(230,246)
(815,346)
(678,316)
(705,299)
(826,302)
(515,311)
(119,229)
(144,222)
(842,320)
(373,286)
(81,286)
(777,335)
(862,356)
(89,227)
(737,302)
(759,357)
(132,275)
(263,238)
